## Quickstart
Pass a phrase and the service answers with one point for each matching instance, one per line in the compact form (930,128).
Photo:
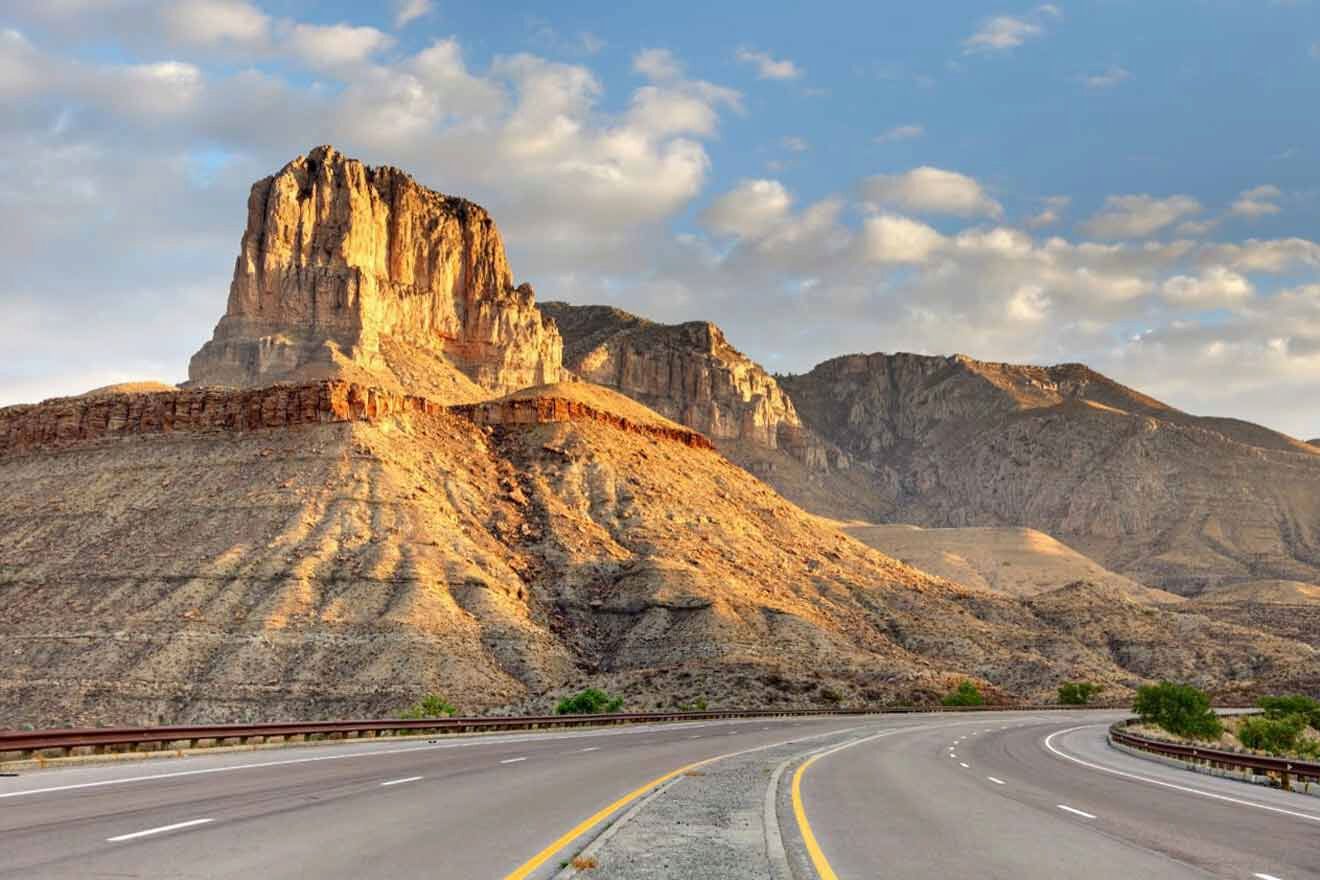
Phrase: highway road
(991,795)
(1035,798)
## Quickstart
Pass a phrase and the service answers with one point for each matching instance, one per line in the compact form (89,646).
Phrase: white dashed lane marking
(1074,811)
(513,760)
(402,781)
(161,830)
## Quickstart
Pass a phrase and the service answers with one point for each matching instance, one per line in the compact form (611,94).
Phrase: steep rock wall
(687,372)
(339,261)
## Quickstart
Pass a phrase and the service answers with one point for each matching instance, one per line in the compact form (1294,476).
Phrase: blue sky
(1128,184)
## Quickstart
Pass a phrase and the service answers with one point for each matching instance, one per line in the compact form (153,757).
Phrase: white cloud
(1138,216)
(335,45)
(794,144)
(1257,202)
(928,190)
(768,67)
(891,238)
(216,22)
(1275,256)
(750,210)
(23,70)
(1028,303)
(1107,80)
(1196,228)
(1001,33)
(1217,286)
(908,132)
(162,89)
(1050,213)
(657,64)
(407,11)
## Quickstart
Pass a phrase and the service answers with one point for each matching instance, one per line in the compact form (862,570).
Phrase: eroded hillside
(346,564)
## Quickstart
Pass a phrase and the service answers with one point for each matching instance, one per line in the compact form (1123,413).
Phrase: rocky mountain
(1166,498)
(690,373)
(361,273)
(419,506)
(335,549)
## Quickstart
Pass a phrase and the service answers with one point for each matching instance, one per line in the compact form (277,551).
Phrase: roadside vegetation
(591,701)
(1287,726)
(967,694)
(429,706)
(1078,693)
(1179,709)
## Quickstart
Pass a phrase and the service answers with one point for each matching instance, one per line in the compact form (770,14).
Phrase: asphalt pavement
(1031,798)
(1012,795)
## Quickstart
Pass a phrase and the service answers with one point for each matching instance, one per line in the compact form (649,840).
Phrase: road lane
(474,808)
(898,806)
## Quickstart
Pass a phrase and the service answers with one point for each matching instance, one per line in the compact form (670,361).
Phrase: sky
(1124,183)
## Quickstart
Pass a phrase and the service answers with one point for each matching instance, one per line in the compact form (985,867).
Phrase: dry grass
(584,863)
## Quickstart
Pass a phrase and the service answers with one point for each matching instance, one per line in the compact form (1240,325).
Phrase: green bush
(429,706)
(1278,736)
(1178,708)
(1078,693)
(1292,704)
(592,701)
(967,694)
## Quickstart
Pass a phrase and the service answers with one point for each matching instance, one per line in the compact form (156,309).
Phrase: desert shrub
(830,695)
(967,694)
(1278,736)
(1178,708)
(429,706)
(592,701)
(1078,693)
(1292,704)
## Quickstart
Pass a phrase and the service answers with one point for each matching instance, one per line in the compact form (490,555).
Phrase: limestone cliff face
(1164,497)
(361,272)
(687,372)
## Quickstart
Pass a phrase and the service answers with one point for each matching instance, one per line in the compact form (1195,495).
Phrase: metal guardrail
(1283,770)
(26,743)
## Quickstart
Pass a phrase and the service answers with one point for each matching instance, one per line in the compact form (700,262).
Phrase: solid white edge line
(996,781)
(1049,744)
(1075,811)
(402,781)
(513,760)
(161,830)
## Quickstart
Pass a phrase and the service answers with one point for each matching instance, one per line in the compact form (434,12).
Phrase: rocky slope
(360,273)
(1014,561)
(347,559)
(690,373)
(1163,497)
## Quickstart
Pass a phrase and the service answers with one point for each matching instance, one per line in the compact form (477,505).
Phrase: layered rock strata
(348,270)
(73,421)
(687,372)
